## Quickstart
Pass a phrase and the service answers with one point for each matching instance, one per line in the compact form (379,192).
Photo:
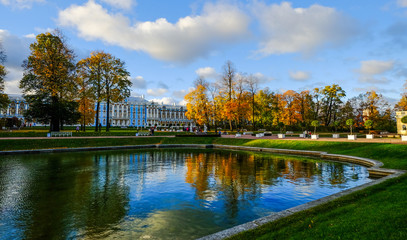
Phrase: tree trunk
(254,124)
(54,126)
(107,114)
(97,116)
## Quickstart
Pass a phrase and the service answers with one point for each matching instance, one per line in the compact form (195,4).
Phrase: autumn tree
(252,84)
(290,107)
(373,103)
(228,83)
(215,104)
(86,95)
(277,108)
(241,100)
(48,82)
(4,100)
(109,80)
(116,83)
(304,105)
(331,100)
(402,104)
(198,104)
(91,70)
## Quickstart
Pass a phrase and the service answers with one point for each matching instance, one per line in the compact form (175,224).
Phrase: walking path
(323,139)
(82,137)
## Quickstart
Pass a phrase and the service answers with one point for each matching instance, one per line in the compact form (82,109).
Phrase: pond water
(156,194)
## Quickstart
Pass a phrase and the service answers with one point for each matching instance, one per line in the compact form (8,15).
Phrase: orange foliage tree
(198,106)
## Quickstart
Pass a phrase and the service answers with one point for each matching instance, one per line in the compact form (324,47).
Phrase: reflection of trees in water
(90,193)
(64,196)
(240,177)
(335,172)
(108,196)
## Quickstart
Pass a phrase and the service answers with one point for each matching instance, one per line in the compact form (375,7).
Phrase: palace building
(132,112)
(401,127)
(16,107)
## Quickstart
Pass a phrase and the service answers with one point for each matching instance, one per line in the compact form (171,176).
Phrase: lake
(157,193)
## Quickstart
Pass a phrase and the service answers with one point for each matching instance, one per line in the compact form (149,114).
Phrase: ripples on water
(156,194)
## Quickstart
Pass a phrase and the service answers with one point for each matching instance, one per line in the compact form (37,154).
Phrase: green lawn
(378,212)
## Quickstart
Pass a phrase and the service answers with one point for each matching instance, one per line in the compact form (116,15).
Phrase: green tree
(48,81)
(4,100)
(350,123)
(336,125)
(264,99)
(281,126)
(368,124)
(315,124)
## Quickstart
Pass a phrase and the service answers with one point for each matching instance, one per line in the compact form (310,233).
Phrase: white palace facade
(132,112)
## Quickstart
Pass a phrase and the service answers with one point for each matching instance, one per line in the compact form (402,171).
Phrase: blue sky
(296,45)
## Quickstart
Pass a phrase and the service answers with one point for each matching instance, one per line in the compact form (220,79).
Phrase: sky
(289,45)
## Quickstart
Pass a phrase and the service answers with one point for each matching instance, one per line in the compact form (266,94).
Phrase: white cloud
(207,72)
(12,80)
(21,4)
(156,92)
(164,100)
(376,89)
(182,103)
(373,67)
(17,50)
(124,4)
(262,78)
(187,39)
(300,76)
(180,93)
(31,35)
(371,70)
(305,30)
(139,82)
(373,79)
(402,3)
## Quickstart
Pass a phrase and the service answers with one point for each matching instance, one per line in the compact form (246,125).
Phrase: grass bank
(378,212)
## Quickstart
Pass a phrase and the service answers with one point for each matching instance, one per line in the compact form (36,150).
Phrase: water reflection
(152,194)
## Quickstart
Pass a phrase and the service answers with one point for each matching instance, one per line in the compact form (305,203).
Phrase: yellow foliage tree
(198,105)
(86,100)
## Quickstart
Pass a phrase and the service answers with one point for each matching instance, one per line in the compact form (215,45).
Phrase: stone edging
(373,168)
